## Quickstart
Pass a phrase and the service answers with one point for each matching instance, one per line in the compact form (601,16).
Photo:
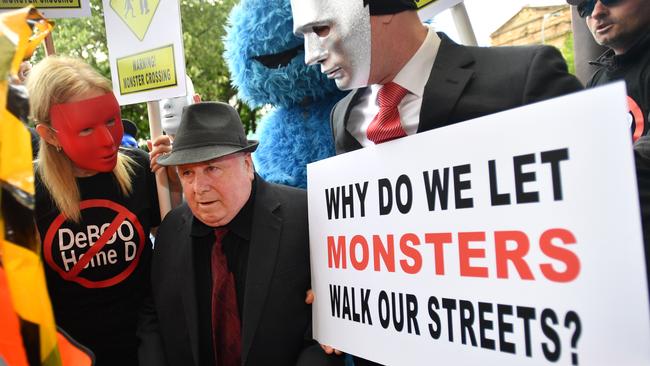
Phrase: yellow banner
(41,4)
(20,32)
(420,3)
(149,70)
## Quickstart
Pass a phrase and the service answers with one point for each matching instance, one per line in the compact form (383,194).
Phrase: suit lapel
(264,244)
(188,283)
(448,79)
(344,140)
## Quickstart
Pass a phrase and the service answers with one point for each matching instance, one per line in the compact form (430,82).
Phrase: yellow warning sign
(422,3)
(137,14)
(41,4)
(149,70)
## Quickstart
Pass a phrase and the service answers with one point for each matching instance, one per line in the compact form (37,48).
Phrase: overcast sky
(487,15)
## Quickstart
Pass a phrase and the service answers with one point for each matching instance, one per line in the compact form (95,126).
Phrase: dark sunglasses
(587,7)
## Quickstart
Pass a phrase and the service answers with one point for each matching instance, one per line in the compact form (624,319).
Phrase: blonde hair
(52,81)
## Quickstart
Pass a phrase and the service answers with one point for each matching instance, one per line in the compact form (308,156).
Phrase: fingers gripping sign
(159,146)
(309,299)
(162,145)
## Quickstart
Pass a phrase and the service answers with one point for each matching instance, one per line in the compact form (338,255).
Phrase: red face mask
(90,131)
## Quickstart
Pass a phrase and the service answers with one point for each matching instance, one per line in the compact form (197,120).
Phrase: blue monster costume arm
(267,67)
(292,138)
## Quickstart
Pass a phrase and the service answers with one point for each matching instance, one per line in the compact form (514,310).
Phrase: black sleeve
(151,349)
(642,162)
(153,198)
(315,356)
(142,159)
(548,76)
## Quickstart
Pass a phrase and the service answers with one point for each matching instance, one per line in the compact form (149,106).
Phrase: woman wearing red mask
(95,206)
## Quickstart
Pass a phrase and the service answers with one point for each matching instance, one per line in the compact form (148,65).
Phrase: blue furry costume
(267,66)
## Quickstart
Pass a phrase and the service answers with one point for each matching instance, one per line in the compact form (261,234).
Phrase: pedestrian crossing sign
(137,14)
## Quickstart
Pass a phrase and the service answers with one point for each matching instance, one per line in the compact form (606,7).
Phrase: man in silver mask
(337,40)
(406,78)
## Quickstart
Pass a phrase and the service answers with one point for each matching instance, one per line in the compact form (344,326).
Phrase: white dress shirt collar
(412,76)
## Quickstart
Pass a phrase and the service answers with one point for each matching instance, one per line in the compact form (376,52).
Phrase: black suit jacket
(275,317)
(470,82)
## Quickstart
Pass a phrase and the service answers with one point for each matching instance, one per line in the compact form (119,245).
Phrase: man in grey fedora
(230,267)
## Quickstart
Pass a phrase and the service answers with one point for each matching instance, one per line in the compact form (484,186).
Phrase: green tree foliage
(567,52)
(203,31)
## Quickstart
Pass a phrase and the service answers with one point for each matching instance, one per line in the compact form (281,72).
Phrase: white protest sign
(427,9)
(511,239)
(145,48)
(51,9)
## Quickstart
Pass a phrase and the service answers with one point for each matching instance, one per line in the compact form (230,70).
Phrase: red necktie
(386,125)
(226,332)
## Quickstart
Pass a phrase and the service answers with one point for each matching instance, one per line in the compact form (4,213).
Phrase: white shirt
(413,77)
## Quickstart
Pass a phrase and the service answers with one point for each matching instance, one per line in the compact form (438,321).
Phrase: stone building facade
(536,25)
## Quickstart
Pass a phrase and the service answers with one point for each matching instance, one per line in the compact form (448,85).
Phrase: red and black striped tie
(226,332)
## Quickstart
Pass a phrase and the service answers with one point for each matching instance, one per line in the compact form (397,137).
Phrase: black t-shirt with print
(97,300)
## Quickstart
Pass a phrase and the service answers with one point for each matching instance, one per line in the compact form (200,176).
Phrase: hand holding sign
(309,299)
(159,146)
(163,145)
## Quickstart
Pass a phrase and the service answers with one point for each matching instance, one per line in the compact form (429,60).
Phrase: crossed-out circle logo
(637,120)
(97,255)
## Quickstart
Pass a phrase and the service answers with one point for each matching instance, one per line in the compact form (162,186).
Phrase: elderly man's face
(337,36)
(619,26)
(216,190)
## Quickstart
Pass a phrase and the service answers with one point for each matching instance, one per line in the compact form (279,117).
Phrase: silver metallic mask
(337,36)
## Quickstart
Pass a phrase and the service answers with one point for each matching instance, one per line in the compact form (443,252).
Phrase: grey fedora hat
(208,130)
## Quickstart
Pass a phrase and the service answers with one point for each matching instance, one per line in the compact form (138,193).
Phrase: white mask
(337,36)
(171,109)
